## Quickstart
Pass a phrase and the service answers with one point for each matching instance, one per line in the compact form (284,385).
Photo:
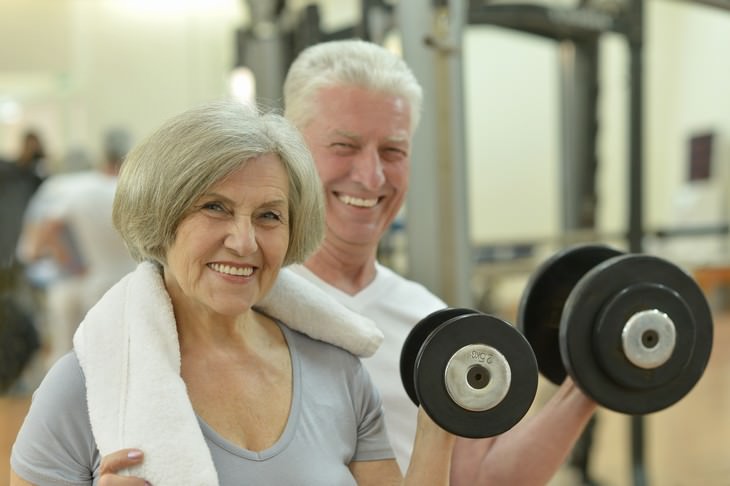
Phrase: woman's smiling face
(228,250)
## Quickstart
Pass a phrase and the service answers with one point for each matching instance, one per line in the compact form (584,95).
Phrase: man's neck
(348,269)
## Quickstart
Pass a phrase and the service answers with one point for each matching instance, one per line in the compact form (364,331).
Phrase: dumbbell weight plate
(502,390)
(601,307)
(541,306)
(644,336)
(415,339)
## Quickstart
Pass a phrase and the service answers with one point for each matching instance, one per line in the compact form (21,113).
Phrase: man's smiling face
(360,141)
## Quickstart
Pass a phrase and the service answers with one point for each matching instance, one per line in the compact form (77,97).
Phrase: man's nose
(368,169)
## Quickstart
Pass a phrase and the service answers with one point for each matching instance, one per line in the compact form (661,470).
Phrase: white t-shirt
(83,200)
(87,209)
(395,304)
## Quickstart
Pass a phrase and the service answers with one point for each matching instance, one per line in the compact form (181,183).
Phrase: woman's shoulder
(62,389)
(64,379)
(314,349)
(56,437)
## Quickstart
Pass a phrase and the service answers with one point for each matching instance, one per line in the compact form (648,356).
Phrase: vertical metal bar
(579,127)
(636,203)
(635,37)
(439,250)
(456,249)
(445,145)
(421,205)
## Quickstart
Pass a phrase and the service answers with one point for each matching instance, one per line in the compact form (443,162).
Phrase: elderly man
(357,106)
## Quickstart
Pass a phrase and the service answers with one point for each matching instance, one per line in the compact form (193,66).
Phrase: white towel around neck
(129,352)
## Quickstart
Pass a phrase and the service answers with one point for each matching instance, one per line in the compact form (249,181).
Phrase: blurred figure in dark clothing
(19,180)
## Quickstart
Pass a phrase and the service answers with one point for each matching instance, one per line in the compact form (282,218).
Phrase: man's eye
(342,146)
(393,154)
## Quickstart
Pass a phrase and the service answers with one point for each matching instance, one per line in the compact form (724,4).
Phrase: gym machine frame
(274,37)
(582,27)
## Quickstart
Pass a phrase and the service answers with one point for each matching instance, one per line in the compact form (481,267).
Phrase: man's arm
(532,451)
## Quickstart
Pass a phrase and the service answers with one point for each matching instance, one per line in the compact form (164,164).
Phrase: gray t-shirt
(335,418)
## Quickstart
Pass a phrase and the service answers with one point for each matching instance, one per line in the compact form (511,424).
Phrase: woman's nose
(241,238)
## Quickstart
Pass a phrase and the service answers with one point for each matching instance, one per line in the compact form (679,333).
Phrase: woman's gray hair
(347,63)
(165,174)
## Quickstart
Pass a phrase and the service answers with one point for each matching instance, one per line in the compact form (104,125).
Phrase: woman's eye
(214,206)
(271,215)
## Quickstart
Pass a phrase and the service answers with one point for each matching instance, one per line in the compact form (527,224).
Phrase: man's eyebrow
(347,134)
(398,139)
(356,137)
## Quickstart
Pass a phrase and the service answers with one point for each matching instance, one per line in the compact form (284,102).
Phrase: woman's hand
(431,457)
(115,461)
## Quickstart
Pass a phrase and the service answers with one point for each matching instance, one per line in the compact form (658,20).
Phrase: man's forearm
(532,451)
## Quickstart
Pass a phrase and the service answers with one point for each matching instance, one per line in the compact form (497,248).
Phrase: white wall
(79,67)
(511,107)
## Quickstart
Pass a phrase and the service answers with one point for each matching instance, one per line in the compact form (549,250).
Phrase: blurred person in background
(19,179)
(69,223)
(19,337)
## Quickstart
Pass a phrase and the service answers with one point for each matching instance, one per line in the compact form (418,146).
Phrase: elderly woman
(176,377)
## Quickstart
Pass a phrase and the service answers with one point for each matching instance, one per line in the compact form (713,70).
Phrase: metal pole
(636,206)
(636,177)
(579,129)
(439,251)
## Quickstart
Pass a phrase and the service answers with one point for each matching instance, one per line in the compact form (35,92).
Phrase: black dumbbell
(474,374)
(633,331)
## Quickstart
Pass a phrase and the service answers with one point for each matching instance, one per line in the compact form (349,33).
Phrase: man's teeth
(356,201)
(238,271)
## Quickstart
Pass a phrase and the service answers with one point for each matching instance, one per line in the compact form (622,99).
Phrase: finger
(111,463)
(115,480)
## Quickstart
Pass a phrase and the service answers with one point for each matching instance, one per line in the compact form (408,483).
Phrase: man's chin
(365,236)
